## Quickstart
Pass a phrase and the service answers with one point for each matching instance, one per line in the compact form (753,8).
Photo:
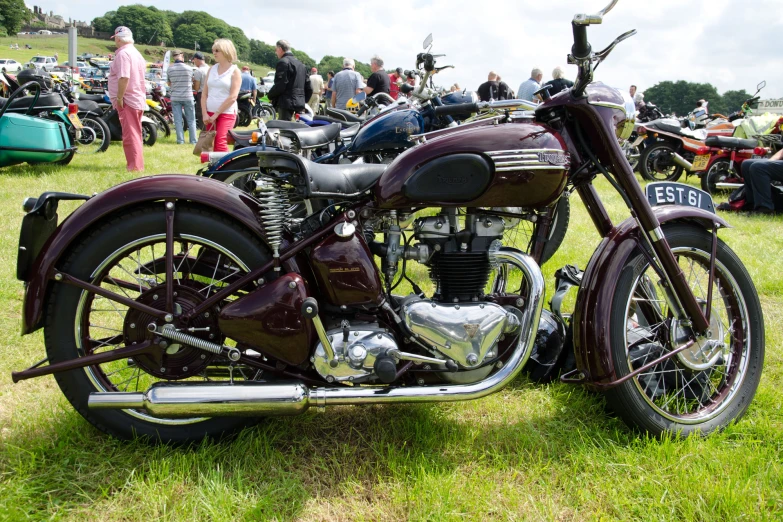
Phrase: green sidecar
(33,140)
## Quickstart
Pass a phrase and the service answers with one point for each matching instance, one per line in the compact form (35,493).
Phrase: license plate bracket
(663,193)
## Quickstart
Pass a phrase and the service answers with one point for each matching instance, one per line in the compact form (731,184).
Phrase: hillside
(59,44)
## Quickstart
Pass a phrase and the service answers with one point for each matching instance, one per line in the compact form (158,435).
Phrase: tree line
(680,97)
(197,30)
(13,13)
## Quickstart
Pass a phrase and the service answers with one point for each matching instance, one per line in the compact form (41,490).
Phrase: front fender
(591,320)
(175,187)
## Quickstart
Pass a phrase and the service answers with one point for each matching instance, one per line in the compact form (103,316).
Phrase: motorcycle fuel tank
(513,164)
(389,132)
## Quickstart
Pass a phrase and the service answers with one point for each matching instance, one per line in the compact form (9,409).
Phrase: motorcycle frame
(642,231)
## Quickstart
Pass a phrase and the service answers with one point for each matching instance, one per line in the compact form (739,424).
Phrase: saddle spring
(274,213)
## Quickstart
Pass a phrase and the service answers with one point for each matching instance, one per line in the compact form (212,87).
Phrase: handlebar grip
(459,108)
(581,48)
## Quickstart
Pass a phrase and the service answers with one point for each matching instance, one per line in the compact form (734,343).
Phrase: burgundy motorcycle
(176,307)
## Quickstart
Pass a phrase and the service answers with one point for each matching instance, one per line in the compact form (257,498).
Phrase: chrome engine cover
(464,332)
(356,357)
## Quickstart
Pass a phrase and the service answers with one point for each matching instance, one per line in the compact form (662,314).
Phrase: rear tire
(719,172)
(66,310)
(679,396)
(653,167)
(163,126)
(102,135)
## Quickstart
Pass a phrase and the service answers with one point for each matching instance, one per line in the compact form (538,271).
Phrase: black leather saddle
(312,137)
(45,101)
(345,181)
(97,98)
(350,132)
(725,142)
(344,115)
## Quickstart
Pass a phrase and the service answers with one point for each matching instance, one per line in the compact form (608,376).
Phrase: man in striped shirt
(180,77)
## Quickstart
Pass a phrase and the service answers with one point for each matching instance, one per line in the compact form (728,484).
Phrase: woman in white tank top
(219,98)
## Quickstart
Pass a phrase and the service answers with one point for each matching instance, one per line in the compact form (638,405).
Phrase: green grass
(527,453)
(47,46)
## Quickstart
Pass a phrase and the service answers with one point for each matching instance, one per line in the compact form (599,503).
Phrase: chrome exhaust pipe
(729,185)
(183,400)
(682,162)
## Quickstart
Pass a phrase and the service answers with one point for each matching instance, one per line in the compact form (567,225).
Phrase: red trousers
(223,124)
(132,142)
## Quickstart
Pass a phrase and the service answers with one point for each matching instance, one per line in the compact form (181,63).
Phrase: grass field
(47,46)
(527,453)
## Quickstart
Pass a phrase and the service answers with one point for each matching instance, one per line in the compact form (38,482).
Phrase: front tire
(703,388)
(656,165)
(149,133)
(79,323)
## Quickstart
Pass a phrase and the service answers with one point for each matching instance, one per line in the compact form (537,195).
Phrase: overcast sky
(733,44)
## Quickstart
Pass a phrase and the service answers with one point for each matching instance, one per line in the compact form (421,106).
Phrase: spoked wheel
(657,165)
(720,172)
(242,174)
(264,112)
(520,232)
(708,385)
(95,136)
(127,256)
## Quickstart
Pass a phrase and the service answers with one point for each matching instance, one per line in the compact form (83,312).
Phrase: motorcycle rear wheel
(78,322)
(719,172)
(652,167)
(149,133)
(101,137)
(691,392)
(163,126)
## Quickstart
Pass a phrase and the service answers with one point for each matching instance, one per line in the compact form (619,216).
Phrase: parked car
(47,63)
(9,65)
(79,64)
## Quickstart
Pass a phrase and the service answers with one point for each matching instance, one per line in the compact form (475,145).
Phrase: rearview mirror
(761,85)
(428,41)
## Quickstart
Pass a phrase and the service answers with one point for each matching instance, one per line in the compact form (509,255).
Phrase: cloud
(728,43)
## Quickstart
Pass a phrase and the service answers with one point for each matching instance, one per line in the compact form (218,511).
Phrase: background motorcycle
(176,307)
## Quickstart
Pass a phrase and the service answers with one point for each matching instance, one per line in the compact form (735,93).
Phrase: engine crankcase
(465,332)
(356,355)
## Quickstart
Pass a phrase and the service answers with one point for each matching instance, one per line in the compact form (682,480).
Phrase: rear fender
(224,162)
(221,197)
(591,320)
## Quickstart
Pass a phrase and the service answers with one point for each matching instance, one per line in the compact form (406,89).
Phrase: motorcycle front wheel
(656,164)
(244,118)
(149,133)
(96,136)
(707,386)
(126,256)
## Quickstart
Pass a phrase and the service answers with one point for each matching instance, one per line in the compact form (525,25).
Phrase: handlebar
(581,49)
(458,108)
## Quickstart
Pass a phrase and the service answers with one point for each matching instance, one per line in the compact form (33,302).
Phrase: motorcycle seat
(282,124)
(312,137)
(350,132)
(45,101)
(344,115)
(98,98)
(669,125)
(725,142)
(345,181)
(349,180)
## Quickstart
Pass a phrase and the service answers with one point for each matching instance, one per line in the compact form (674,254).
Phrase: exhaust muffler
(682,162)
(184,400)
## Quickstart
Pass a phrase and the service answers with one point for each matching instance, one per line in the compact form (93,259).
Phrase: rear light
(296,117)
(642,132)
(702,150)
(760,151)
(204,157)
(73,108)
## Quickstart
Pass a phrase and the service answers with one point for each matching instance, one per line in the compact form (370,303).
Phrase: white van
(44,31)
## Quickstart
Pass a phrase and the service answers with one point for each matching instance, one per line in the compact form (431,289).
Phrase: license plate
(75,120)
(668,193)
(700,162)
(756,156)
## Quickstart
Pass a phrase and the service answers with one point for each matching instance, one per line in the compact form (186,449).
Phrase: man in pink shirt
(129,95)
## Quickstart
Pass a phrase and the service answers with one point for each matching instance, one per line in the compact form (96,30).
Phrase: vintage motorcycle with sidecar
(176,307)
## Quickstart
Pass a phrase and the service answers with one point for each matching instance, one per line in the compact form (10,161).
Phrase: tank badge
(553,158)
(344,270)
(408,129)
(471,330)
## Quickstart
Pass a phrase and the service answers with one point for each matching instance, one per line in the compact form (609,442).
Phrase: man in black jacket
(292,86)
